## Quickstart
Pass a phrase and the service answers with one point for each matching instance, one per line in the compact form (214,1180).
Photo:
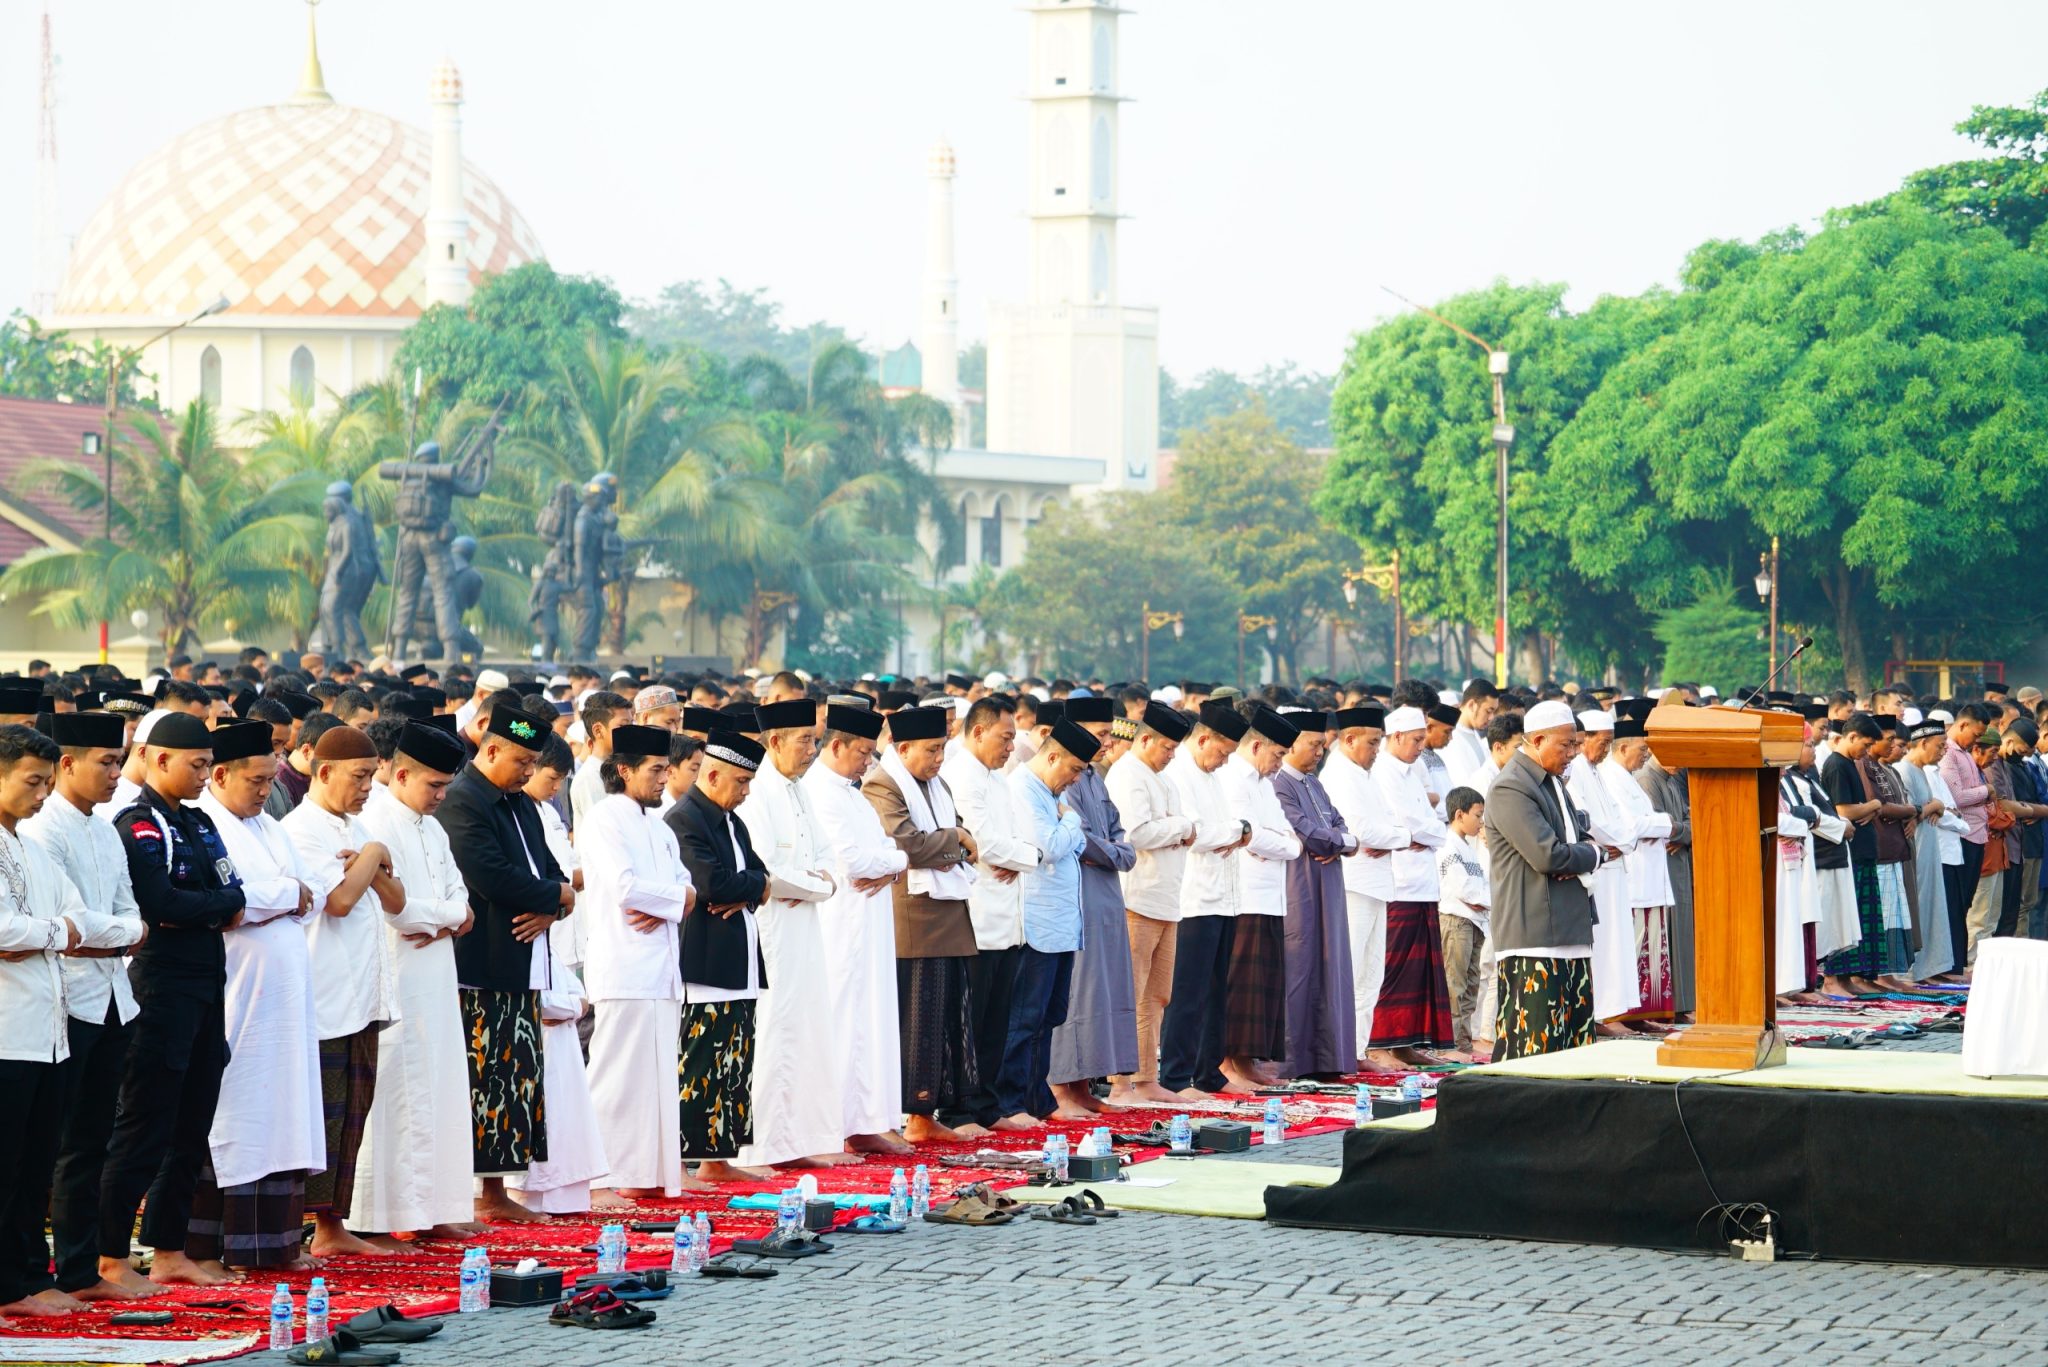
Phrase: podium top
(1725,737)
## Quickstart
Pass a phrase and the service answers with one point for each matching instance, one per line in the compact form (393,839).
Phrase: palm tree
(199,536)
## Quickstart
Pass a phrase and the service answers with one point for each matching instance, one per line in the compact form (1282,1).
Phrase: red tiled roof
(33,430)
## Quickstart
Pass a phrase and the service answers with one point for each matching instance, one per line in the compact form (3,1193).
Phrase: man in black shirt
(188,893)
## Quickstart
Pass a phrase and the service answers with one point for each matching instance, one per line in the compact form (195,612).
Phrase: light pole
(1247,621)
(1767,590)
(1150,622)
(117,360)
(1387,579)
(1503,437)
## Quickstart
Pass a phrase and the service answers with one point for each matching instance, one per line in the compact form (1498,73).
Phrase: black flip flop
(389,1324)
(1067,1212)
(1093,1203)
(737,1265)
(342,1349)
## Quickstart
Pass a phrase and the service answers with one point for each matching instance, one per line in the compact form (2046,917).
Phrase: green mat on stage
(1231,1189)
(1827,1069)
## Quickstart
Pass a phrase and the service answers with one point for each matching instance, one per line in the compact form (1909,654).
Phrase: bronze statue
(427,490)
(557,529)
(598,555)
(467,583)
(353,569)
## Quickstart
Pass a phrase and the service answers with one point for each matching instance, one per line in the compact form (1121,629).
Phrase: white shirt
(586,789)
(1950,825)
(1649,869)
(355,981)
(786,836)
(983,803)
(436,898)
(126,791)
(88,850)
(33,1028)
(1358,799)
(1157,825)
(1461,868)
(1262,867)
(1208,884)
(630,863)
(1465,754)
(1401,785)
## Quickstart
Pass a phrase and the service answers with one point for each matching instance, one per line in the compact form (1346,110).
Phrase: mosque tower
(939,337)
(1073,371)
(447,251)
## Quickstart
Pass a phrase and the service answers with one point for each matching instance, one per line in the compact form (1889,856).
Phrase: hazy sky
(1282,158)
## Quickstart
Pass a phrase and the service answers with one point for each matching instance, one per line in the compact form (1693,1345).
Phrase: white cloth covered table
(2005,1033)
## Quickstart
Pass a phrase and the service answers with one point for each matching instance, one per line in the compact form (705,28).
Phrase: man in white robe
(351,876)
(1369,877)
(1615,987)
(798,1114)
(635,893)
(413,1172)
(268,1129)
(859,926)
(1647,863)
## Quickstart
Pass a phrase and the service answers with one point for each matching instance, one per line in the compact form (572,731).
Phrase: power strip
(1764,1250)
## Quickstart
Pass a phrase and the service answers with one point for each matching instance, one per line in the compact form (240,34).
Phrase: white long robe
(269,1119)
(1616,989)
(796,1089)
(1647,864)
(1798,899)
(576,1156)
(631,863)
(860,950)
(414,1168)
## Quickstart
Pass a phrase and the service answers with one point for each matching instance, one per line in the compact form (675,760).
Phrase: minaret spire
(447,253)
(939,338)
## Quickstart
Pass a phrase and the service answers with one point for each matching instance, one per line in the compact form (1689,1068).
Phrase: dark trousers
(98,1054)
(1038,1006)
(1967,874)
(169,1088)
(31,1111)
(1191,1036)
(2009,901)
(991,981)
(1958,908)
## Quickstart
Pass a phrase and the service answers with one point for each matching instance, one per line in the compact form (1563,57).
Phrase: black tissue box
(1383,1107)
(820,1214)
(1093,1169)
(542,1286)
(1223,1136)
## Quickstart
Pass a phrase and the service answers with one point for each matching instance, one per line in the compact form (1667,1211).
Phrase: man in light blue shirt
(1052,923)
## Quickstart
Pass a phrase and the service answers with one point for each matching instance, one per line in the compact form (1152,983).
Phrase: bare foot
(888,1142)
(1384,1061)
(30,1308)
(451,1233)
(1241,1082)
(123,1283)
(1074,1101)
(331,1239)
(818,1160)
(611,1200)
(718,1170)
(1152,1091)
(64,1303)
(691,1184)
(972,1131)
(502,1209)
(168,1268)
(389,1243)
(1482,1050)
(1192,1094)
(922,1129)
(1012,1124)
(104,1290)
(1071,1113)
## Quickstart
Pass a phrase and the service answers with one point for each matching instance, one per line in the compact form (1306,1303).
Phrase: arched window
(302,377)
(954,556)
(1059,157)
(1098,267)
(992,532)
(1104,57)
(209,376)
(1102,171)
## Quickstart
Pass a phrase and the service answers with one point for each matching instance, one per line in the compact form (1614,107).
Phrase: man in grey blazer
(1543,913)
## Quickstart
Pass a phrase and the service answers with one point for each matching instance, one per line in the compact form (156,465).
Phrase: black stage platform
(1879,1157)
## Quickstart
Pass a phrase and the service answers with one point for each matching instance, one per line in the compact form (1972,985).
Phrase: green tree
(35,364)
(201,538)
(514,331)
(1298,400)
(731,323)
(2007,187)
(1872,396)
(1714,638)
(1243,491)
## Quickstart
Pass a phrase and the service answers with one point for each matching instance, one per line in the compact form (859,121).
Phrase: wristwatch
(1244,830)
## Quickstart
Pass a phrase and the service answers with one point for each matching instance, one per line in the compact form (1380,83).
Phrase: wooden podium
(1731,756)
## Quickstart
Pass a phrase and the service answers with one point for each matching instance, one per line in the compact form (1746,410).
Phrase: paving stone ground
(1163,1288)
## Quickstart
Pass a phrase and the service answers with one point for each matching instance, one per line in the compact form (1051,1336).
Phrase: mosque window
(209,376)
(992,533)
(302,376)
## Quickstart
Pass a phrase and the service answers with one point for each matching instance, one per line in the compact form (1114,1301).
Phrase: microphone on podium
(1764,687)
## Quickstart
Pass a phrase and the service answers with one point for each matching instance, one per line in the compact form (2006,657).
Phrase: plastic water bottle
(316,1310)
(1361,1107)
(476,1295)
(1062,1150)
(684,1259)
(1276,1123)
(702,1223)
(789,1213)
(899,1197)
(1411,1087)
(920,1192)
(281,1318)
(1180,1135)
(1104,1145)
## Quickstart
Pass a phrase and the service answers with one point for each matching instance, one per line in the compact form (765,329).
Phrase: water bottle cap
(283,1290)
(320,1282)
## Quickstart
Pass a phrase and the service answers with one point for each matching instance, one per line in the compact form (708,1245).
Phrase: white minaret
(447,255)
(1073,371)
(939,338)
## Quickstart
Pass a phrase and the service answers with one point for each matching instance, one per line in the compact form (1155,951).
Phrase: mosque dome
(308,209)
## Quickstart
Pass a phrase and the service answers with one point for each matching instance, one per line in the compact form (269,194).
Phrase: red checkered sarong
(1414,1009)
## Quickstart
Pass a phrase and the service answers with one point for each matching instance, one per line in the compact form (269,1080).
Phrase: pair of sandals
(598,1308)
(1085,1209)
(976,1205)
(354,1344)
(651,1285)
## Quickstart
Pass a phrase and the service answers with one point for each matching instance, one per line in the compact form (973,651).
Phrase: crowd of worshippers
(309,961)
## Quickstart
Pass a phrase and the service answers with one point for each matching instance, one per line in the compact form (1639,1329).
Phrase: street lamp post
(1150,622)
(1387,579)
(1247,621)
(1767,590)
(117,362)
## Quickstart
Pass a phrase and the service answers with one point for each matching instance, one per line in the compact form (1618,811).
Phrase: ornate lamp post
(1247,621)
(1151,622)
(1387,579)
(1767,591)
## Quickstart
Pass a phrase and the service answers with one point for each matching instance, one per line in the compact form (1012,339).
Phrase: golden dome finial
(312,82)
